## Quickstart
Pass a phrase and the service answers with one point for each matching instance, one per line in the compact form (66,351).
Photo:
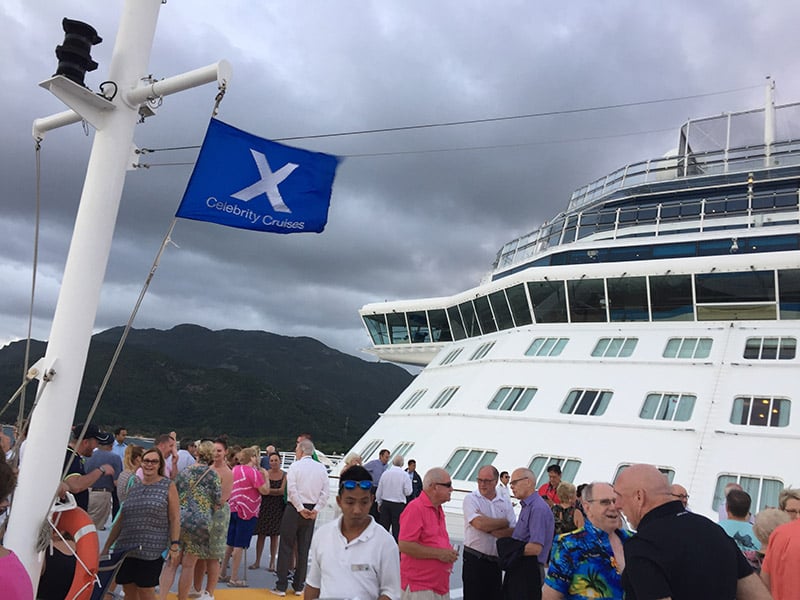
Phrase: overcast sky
(416,213)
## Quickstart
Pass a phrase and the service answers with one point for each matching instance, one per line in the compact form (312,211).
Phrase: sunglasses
(351,485)
(449,484)
(151,461)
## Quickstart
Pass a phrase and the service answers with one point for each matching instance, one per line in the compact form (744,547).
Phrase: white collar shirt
(307,483)
(394,486)
(502,490)
(362,569)
(476,505)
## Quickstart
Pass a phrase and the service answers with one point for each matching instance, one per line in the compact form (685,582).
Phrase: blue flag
(245,181)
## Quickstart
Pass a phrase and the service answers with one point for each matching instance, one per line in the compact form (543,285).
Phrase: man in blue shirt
(588,562)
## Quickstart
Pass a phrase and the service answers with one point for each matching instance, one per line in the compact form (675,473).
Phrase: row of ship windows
(763,411)
(756,348)
(464,464)
(762,295)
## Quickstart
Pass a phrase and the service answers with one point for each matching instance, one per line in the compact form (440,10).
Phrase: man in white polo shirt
(487,517)
(354,557)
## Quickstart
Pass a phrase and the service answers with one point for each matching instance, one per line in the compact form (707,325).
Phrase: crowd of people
(195,507)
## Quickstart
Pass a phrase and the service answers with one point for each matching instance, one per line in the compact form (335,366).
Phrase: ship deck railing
(656,212)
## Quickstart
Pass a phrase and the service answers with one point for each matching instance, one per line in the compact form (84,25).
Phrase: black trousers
(294,529)
(482,577)
(390,516)
(523,581)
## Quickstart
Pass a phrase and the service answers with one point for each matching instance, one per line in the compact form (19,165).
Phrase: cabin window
(457,323)
(372,446)
(451,356)
(518,302)
(444,397)
(748,286)
(671,298)
(668,407)
(512,398)
(466,462)
(688,348)
(789,293)
(586,402)
(412,400)
(549,301)
(376,325)
(546,346)
(482,351)
(403,448)
(539,464)
(667,471)
(761,411)
(502,314)
(770,348)
(587,301)
(615,347)
(763,491)
(627,299)
(440,329)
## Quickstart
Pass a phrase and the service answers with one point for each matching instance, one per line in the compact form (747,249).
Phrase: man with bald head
(426,556)
(677,554)
(679,492)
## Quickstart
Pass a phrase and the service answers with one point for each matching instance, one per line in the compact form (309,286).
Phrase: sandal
(238,583)
(224,578)
(254,567)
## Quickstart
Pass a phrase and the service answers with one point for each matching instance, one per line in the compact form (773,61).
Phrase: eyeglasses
(681,496)
(150,461)
(792,511)
(486,480)
(516,481)
(604,501)
(448,484)
(351,485)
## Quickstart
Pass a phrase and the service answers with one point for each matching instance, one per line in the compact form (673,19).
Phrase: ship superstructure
(655,320)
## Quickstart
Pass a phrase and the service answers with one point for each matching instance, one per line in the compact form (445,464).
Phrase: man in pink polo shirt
(426,556)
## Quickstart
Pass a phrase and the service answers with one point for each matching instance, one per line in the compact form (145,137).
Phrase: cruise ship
(655,320)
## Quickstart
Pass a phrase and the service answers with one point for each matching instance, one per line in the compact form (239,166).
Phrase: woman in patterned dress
(148,523)
(200,494)
(271,513)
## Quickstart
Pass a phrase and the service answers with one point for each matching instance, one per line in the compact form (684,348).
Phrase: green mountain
(254,386)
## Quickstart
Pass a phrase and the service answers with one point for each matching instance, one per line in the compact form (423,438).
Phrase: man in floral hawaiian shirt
(587,563)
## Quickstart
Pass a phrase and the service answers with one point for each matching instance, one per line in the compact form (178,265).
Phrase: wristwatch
(102,469)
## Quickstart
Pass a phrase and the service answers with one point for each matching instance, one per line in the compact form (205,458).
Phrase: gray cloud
(417,223)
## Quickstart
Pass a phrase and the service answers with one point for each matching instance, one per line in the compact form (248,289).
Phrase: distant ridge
(254,386)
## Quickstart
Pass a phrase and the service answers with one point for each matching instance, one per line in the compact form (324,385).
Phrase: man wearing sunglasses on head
(426,556)
(353,556)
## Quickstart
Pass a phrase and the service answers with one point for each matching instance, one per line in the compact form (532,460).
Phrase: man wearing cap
(100,494)
(77,480)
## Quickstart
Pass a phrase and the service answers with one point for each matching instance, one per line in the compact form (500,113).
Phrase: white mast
(75,313)
(769,120)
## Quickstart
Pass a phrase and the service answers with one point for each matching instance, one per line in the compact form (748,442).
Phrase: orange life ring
(79,525)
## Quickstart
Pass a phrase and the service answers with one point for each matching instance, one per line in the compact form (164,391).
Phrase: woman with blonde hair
(567,516)
(131,461)
(249,482)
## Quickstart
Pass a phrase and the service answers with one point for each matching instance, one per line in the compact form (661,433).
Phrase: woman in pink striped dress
(249,482)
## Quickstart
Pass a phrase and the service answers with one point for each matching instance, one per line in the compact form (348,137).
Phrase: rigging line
(551,113)
(459,149)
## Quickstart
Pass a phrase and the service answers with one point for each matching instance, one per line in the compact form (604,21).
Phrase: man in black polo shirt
(677,554)
(76,480)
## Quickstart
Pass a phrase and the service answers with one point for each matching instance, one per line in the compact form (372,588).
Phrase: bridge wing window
(518,301)
(502,313)
(378,331)
(418,325)
(749,286)
(457,323)
(549,301)
(470,318)
(485,315)
(398,330)
(671,298)
(587,300)
(627,299)
(789,286)
(440,328)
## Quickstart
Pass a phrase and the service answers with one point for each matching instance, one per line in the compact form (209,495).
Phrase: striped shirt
(245,498)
